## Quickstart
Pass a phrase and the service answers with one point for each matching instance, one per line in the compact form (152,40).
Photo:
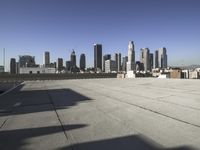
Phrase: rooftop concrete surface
(102,114)
(6,85)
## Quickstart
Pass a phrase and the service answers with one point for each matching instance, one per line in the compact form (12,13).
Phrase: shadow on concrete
(65,98)
(48,100)
(134,142)
(23,102)
(7,100)
(1,91)
(16,139)
(4,86)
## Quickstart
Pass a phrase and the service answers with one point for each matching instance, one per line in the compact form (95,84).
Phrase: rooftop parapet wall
(25,77)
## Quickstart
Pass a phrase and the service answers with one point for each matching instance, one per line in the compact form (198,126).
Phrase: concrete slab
(31,127)
(9,100)
(3,120)
(103,114)
(160,116)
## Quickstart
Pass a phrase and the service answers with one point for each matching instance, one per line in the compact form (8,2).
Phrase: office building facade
(105,57)
(162,58)
(59,64)
(144,58)
(27,61)
(97,57)
(117,58)
(124,61)
(46,59)
(82,62)
(73,59)
(110,66)
(68,65)
(119,65)
(151,61)
(131,57)
(13,66)
(156,63)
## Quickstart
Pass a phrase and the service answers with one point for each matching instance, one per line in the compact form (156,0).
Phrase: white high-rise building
(130,65)
(46,59)
(162,58)
(131,57)
(110,66)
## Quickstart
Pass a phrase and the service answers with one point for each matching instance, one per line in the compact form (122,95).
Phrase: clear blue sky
(34,26)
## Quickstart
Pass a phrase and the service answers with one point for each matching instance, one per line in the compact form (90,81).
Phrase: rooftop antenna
(4,55)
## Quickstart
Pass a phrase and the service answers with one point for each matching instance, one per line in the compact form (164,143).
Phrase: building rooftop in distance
(102,114)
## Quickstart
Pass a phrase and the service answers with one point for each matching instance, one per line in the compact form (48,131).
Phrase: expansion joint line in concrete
(156,112)
(3,123)
(160,99)
(144,108)
(164,115)
(62,126)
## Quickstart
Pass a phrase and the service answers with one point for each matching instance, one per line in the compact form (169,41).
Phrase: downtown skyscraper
(73,59)
(97,57)
(46,59)
(124,62)
(82,62)
(26,61)
(117,58)
(105,57)
(151,61)
(162,58)
(59,64)
(144,58)
(156,64)
(13,66)
(131,57)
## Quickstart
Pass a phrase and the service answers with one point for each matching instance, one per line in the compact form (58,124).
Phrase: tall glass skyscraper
(73,59)
(13,66)
(124,61)
(97,57)
(82,62)
(144,58)
(46,59)
(162,58)
(156,64)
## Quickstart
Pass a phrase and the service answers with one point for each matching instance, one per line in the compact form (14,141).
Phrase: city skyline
(98,48)
(59,26)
